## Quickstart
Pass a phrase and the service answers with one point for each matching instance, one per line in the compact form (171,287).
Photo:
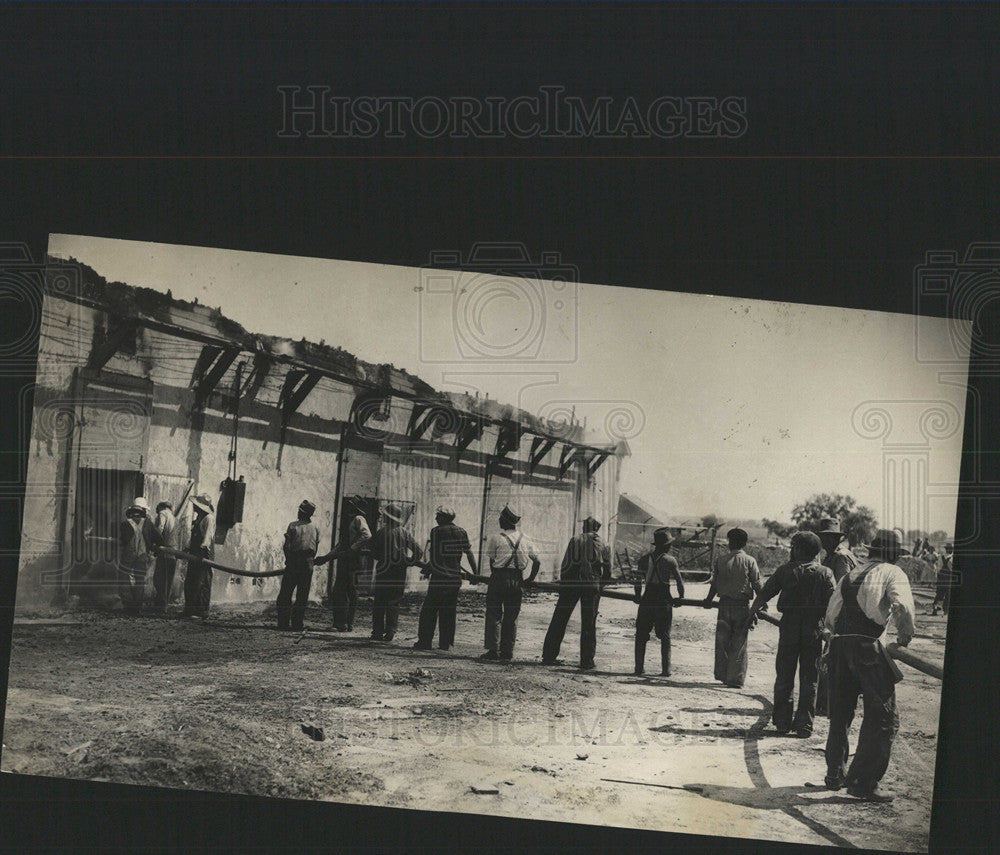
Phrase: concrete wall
(185,444)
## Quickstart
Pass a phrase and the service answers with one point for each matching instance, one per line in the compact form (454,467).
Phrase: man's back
(449,543)
(302,536)
(733,573)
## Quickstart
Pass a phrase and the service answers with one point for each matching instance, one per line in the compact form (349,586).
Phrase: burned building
(138,393)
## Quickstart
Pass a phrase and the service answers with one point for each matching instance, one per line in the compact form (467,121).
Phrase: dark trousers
(823,694)
(440,608)
(655,616)
(344,594)
(133,585)
(385,608)
(799,646)
(857,666)
(197,589)
(571,592)
(298,578)
(163,579)
(731,641)
(503,605)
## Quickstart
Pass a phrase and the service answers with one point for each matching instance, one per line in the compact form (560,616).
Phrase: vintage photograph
(481,537)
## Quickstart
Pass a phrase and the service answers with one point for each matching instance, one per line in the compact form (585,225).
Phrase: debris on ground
(313,732)
(70,752)
(485,791)
(582,756)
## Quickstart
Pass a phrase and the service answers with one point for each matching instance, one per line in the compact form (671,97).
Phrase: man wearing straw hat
(656,602)
(138,541)
(198,579)
(393,549)
(448,543)
(855,621)
(301,543)
(585,566)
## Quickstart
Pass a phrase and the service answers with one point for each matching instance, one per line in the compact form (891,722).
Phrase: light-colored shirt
(302,537)
(499,549)
(166,523)
(736,575)
(203,536)
(358,530)
(884,592)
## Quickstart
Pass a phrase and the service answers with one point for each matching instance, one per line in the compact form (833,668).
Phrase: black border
(872,138)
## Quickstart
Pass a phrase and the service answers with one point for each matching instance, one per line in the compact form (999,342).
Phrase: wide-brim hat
(830,526)
(662,537)
(204,503)
(507,515)
(140,503)
(307,507)
(886,541)
(591,524)
(445,511)
(395,513)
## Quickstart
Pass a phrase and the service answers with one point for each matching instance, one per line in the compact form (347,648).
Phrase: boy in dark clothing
(656,603)
(804,587)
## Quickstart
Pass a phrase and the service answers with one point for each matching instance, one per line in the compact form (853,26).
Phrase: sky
(742,408)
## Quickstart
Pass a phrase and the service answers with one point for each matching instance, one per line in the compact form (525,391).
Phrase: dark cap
(508,517)
(307,508)
(808,541)
(590,524)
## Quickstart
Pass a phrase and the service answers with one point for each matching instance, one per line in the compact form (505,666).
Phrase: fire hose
(894,650)
(166,550)
(898,653)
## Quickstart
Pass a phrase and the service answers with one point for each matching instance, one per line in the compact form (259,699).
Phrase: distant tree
(778,529)
(938,536)
(857,521)
(711,520)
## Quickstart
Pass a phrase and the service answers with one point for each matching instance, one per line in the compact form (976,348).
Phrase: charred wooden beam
(594,463)
(472,428)
(212,374)
(567,457)
(508,439)
(539,448)
(298,385)
(258,374)
(116,336)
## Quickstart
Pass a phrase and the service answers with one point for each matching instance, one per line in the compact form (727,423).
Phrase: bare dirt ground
(220,706)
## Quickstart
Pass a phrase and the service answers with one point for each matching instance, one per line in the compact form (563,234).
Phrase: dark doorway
(101,498)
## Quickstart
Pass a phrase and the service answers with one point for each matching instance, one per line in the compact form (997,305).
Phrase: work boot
(640,658)
(421,646)
(489,656)
(664,662)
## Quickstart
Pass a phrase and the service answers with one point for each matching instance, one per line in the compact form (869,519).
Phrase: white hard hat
(140,502)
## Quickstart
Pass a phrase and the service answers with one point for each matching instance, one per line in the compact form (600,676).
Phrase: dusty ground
(220,706)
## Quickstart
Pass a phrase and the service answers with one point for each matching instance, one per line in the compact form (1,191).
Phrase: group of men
(833,613)
(139,541)
(833,617)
